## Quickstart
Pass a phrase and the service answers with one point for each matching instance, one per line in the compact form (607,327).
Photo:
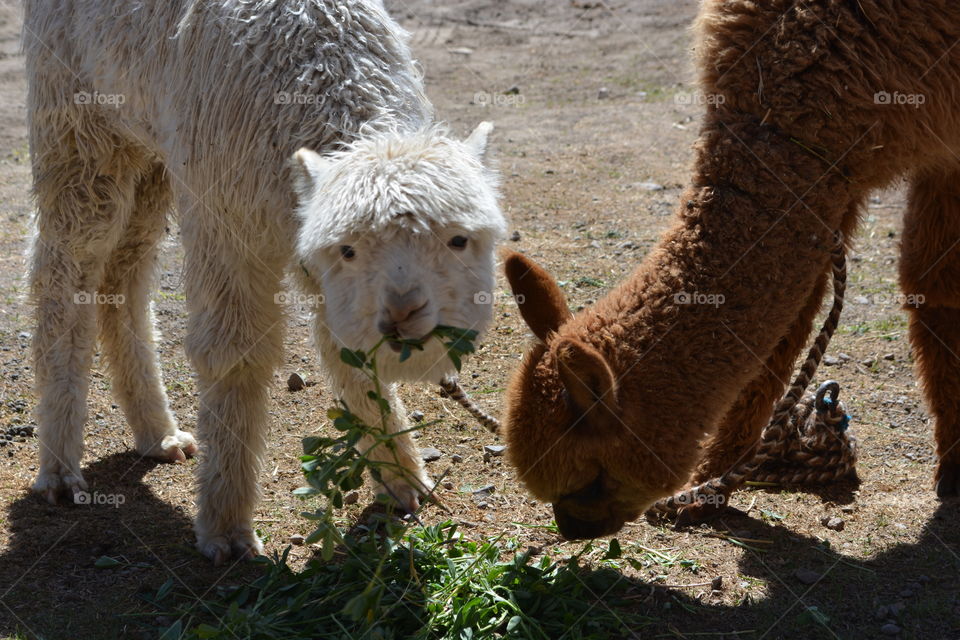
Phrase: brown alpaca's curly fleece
(812,105)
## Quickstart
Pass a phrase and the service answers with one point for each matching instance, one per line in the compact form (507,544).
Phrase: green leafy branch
(334,466)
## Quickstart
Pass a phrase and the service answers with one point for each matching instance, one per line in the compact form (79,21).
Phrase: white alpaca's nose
(400,309)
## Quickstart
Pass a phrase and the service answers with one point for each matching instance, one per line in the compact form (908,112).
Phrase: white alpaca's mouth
(396,342)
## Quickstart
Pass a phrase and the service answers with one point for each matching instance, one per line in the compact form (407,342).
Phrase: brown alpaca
(815,104)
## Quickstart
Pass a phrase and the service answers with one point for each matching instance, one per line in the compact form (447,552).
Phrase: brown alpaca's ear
(589,382)
(541,302)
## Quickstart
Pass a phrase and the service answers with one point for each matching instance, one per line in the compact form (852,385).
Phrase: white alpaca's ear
(308,168)
(477,141)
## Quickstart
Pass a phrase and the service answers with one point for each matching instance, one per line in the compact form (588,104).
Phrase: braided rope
(816,449)
(451,388)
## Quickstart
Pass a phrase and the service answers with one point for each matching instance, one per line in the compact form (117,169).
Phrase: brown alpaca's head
(563,423)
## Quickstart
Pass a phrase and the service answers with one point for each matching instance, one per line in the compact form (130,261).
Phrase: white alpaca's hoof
(242,543)
(54,485)
(176,447)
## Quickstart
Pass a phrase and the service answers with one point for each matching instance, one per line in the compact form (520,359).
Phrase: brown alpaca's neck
(705,310)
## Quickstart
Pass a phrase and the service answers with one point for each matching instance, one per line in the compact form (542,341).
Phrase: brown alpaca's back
(811,106)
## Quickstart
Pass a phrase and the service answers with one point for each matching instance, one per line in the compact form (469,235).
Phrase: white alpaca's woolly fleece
(142,108)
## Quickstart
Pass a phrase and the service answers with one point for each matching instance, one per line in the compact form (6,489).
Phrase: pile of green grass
(428,582)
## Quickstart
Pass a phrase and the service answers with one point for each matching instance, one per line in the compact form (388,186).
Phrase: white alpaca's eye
(458,242)
(347,252)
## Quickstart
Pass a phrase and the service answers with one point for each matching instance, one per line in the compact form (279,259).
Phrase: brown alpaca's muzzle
(587,513)
(573,528)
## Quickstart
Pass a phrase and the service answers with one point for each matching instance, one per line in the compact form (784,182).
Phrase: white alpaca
(140,108)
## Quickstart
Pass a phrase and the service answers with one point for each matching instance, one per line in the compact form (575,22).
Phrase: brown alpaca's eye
(458,242)
(347,252)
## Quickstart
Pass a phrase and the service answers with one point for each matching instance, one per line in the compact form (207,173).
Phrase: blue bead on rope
(844,423)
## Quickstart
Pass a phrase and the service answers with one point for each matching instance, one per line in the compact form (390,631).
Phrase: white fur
(203,127)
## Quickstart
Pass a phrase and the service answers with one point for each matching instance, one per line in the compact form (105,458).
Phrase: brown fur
(784,159)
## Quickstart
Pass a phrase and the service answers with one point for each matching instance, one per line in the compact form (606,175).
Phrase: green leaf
(613,551)
(312,443)
(355,359)
(206,631)
(106,562)
(455,359)
(173,632)
(813,615)
(514,623)
(316,535)
(164,590)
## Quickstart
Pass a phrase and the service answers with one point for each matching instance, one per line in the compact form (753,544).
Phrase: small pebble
(888,356)
(416,416)
(890,629)
(494,449)
(295,382)
(650,186)
(297,539)
(717,583)
(448,485)
(603,93)
(806,576)
(868,362)
(833,522)
(831,361)
(512,91)
(844,357)
(351,498)
(482,505)
(457,458)
(429,454)
(882,613)
(515,237)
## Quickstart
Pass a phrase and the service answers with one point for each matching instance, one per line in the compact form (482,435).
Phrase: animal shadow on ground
(912,585)
(815,591)
(140,538)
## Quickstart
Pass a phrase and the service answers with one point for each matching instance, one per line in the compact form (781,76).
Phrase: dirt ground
(595,119)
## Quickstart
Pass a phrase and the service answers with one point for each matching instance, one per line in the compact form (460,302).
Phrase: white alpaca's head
(399,232)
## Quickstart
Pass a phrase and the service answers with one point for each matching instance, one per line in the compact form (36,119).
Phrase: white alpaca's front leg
(404,478)
(234,340)
(231,423)
(63,349)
